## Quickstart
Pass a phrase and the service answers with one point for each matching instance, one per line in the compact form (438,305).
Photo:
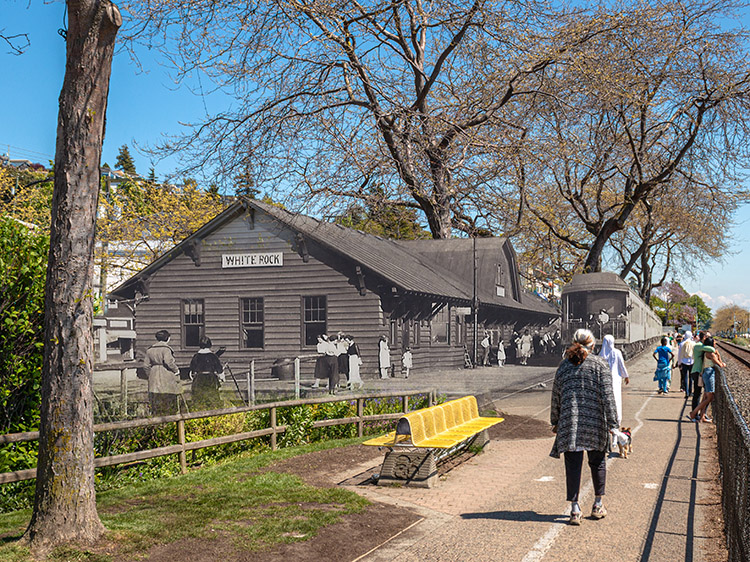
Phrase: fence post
(360,413)
(296,378)
(123,393)
(273,426)
(181,441)
(405,401)
(251,383)
(431,398)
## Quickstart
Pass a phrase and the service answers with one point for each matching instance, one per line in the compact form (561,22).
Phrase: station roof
(601,280)
(425,267)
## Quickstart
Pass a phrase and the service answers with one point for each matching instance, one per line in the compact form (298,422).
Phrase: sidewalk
(509,502)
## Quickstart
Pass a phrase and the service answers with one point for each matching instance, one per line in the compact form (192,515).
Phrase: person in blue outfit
(664,357)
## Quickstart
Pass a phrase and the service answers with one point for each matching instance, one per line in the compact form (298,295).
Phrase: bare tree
(65,500)
(334,98)
(661,101)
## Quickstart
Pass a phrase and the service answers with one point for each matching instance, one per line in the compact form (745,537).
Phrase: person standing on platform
(384,357)
(616,362)
(583,413)
(406,361)
(342,356)
(162,369)
(664,357)
(525,347)
(711,359)
(331,364)
(355,362)
(697,368)
(206,371)
(485,343)
(500,353)
(320,362)
(685,362)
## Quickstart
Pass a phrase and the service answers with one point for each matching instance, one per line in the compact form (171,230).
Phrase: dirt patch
(354,535)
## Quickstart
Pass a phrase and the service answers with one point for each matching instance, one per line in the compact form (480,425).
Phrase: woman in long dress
(384,357)
(525,347)
(355,361)
(616,362)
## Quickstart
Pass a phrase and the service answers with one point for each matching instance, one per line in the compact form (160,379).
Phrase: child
(406,361)
(500,353)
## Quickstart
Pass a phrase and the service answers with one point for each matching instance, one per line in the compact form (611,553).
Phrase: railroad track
(738,352)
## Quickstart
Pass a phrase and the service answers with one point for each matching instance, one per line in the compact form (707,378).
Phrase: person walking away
(355,362)
(685,363)
(500,353)
(711,359)
(163,383)
(406,361)
(206,372)
(664,356)
(583,413)
(485,343)
(384,357)
(616,362)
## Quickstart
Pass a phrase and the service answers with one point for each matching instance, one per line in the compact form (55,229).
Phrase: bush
(23,269)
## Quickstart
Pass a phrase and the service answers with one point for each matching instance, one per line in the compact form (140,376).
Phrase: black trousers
(697,390)
(573,467)
(686,382)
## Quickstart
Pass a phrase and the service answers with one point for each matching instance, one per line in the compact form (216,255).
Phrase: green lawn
(257,510)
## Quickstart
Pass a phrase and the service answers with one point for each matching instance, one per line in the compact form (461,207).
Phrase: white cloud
(740,299)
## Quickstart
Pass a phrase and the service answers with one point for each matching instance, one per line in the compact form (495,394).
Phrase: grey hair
(584,337)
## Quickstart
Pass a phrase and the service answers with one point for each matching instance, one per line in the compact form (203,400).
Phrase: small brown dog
(625,442)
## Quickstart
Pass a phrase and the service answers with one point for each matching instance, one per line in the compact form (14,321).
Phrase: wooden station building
(264,282)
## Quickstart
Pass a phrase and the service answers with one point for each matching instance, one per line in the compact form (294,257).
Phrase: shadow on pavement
(521,516)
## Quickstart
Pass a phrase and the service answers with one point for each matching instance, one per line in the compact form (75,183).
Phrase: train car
(605,304)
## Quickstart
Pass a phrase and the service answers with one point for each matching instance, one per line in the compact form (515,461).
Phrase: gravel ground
(738,380)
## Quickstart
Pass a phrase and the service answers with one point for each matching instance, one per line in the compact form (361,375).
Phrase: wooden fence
(182,447)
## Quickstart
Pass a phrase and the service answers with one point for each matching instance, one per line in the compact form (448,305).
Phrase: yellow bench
(447,426)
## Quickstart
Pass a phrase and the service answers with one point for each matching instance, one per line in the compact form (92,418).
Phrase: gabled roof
(396,262)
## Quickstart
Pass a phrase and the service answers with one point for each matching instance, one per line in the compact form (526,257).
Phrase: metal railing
(733,436)
(182,446)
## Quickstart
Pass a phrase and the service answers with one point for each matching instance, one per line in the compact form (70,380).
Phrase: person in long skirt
(616,363)
(525,347)
(500,353)
(664,357)
(355,362)
(384,357)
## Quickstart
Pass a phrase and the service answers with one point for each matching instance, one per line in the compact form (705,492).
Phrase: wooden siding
(282,289)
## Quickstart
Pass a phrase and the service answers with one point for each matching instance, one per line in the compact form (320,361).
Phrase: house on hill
(264,283)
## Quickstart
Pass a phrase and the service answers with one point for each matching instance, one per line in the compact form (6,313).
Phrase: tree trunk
(65,501)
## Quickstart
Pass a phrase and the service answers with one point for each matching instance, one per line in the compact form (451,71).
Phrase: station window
(440,328)
(193,322)
(252,322)
(315,319)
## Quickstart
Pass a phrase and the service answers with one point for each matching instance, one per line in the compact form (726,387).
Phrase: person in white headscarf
(616,362)
(685,363)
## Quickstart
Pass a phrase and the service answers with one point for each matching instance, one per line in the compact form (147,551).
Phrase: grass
(254,509)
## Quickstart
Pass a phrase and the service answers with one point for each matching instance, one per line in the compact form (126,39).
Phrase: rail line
(741,354)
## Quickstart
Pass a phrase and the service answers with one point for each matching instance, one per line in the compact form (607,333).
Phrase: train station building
(264,283)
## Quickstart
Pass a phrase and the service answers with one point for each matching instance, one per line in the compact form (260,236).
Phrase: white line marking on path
(651,486)
(545,479)
(545,542)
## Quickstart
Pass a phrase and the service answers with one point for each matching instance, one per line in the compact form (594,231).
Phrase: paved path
(509,502)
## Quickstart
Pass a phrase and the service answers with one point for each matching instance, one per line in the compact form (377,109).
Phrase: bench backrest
(429,422)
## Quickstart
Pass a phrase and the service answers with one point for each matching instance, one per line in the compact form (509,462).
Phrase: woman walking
(583,412)
(664,357)
(616,362)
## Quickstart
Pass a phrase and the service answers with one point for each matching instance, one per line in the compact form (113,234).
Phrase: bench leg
(415,468)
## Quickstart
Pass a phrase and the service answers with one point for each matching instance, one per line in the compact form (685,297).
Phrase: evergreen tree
(124,160)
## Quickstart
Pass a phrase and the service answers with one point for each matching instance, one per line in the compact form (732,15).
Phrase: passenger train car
(605,304)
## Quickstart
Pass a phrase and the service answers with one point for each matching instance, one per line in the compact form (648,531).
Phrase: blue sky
(144,104)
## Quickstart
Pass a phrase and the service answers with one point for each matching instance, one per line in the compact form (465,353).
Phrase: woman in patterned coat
(583,412)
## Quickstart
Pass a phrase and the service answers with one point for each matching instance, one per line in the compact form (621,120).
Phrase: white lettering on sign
(271,259)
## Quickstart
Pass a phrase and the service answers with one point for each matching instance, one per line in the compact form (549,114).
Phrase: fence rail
(733,436)
(182,446)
